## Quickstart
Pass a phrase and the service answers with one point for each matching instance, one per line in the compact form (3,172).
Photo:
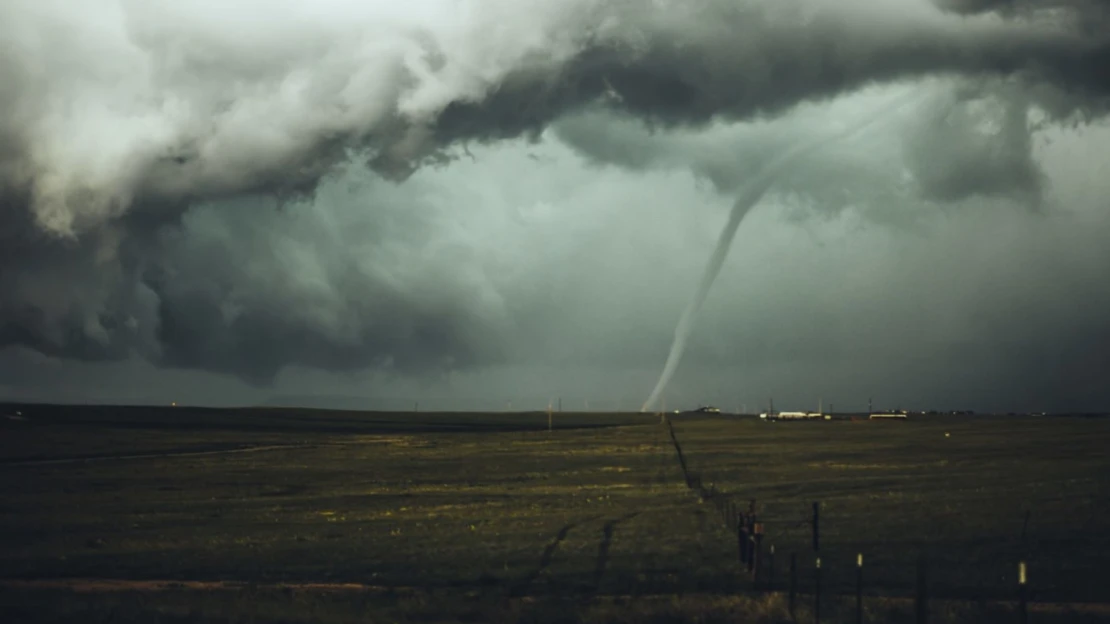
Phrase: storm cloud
(114,103)
(245,188)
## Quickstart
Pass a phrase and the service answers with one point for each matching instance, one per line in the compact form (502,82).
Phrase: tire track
(603,547)
(521,587)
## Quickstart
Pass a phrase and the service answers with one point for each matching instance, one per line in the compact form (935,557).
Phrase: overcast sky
(473,204)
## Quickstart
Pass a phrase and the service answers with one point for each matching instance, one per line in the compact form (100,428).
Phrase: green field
(490,517)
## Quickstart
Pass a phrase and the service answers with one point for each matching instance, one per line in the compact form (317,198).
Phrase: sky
(506,204)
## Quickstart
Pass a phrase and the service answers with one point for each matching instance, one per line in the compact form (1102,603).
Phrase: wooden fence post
(751,545)
(816,527)
(742,538)
(757,541)
(817,593)
(859,588)
(1023,597)
(793,582)
(922,601)
(771,569)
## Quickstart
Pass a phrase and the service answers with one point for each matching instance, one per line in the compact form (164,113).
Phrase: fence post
(859,588)
(1023,597)
(749,541)
(771,569)
(793,582)
(756,551)
(922,602)
(816,527)
(751,545)
(742,538)
(817,593)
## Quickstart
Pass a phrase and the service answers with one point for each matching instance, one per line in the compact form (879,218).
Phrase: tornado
(749,196)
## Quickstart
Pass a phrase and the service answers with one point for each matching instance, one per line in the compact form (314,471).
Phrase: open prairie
(157,514)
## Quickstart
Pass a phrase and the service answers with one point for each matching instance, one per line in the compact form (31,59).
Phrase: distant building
(791,415)
(888,415)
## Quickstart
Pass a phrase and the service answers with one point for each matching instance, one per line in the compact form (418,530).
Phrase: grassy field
(955,489)
(310,516)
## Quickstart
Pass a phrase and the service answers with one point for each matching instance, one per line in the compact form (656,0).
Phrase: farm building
(798,415)
(791,415)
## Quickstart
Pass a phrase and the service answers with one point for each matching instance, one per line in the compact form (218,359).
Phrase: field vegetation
(185,515)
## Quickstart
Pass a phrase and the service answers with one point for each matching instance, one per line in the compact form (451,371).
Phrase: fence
(756,555)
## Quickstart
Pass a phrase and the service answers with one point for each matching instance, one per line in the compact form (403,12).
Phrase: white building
(792,415)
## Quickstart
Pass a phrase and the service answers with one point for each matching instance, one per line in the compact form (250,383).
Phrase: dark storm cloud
(153,100)
(975,142)
(959,140)
(70,297)
(248,289)
(1012,8)
(739,61)
(347,280)
(119,118)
